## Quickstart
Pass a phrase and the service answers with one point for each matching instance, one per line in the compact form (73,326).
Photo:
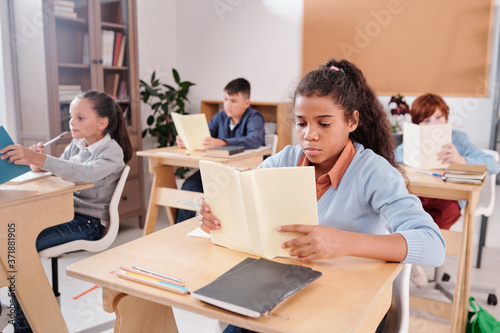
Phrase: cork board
(410,47)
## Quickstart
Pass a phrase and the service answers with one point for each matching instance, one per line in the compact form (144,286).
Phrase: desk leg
(134,314)
(32,286)
(163,177)
(462,289)
(473,199)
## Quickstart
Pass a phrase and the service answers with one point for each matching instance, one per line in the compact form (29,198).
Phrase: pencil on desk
(152,282)
(430,173)
(152,276)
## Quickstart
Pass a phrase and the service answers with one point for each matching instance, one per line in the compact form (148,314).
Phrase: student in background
(364,208)
(237,125)
(97,154)
(431,109)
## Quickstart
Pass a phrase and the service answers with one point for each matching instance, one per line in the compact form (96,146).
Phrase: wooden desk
(353,295)
(424,185)
(25,210)
(162,164)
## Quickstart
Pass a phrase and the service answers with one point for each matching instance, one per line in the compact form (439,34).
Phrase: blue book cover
(9,170)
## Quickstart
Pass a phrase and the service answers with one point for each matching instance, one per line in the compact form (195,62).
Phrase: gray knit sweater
(101,163)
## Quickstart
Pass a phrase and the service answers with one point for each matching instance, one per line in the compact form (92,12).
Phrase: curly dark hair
(345,84)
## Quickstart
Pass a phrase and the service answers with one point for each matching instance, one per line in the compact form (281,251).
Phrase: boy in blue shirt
(237,125)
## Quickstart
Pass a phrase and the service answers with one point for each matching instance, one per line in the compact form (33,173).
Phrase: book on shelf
(422,143)
(68,92)
(225,150)
(73,87)
(122,90)
(108,41)
(86,49)
(117,47)
(9,170)
(111,84)
(64,3)
(465,173)
(254,287)
(60,8)
(66,14)
(192,128)
(252,204)
(121,54)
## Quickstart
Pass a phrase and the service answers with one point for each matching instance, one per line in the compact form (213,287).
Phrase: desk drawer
(130,200)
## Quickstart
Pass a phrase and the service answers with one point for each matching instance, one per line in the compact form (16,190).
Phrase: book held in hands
(422,143)
(9,170)
(254,287)
(251,205)
(192,128)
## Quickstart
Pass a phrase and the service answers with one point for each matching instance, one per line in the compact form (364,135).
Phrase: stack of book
(65,8)
(465,173)
(68,92)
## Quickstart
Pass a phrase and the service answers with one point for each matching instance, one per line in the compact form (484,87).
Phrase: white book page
(28,176)
(221,190)
(284,196)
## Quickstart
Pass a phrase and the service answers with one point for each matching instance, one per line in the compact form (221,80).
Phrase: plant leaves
(177,79)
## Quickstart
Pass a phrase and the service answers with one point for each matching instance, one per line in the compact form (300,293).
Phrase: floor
(85,314)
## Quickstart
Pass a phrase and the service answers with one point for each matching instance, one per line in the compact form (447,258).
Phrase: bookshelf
(272,112)
(92,44)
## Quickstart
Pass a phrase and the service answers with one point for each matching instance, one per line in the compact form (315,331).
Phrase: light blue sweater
(372,198)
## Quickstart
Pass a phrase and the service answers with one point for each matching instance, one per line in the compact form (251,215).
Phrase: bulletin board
(404,46)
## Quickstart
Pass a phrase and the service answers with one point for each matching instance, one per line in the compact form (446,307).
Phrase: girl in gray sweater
(97,154)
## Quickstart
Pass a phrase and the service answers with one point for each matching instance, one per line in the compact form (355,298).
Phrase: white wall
(211,42)
(7,119)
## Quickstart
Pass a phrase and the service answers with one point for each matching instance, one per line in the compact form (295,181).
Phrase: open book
(423,143)
(256,286)
(252,204)
(192,128)
(9,170)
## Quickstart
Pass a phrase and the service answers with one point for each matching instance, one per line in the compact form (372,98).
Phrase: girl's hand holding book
(317,242)
(208,222)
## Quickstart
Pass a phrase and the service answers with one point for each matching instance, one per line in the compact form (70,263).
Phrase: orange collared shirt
(332,178)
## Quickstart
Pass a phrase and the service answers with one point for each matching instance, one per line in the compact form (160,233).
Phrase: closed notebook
(254,287)
(9,170)
(225,150)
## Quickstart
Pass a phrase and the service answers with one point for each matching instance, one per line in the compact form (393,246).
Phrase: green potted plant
(163,100)
(399,108)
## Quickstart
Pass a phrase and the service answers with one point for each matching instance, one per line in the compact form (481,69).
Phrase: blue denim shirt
(249,132)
